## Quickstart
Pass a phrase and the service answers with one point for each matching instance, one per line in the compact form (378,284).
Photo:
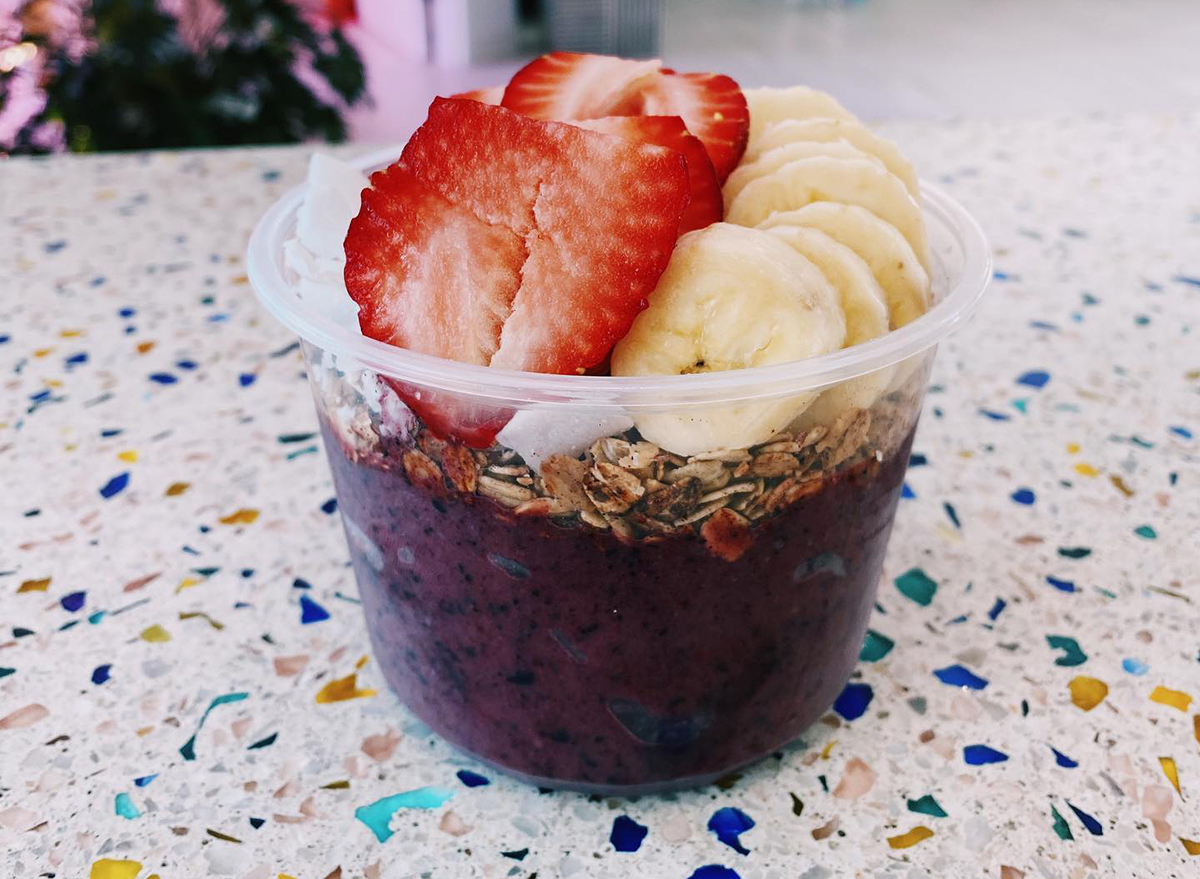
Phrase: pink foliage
(51,26)
(200,22)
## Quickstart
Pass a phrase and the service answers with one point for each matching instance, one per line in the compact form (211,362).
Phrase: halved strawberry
(490,95)
(706,205)
(411,295)
(713,108)
(569,85)
(449,416)
(511,242)
(410,291)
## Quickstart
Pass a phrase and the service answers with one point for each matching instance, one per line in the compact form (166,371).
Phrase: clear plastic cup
(626,620)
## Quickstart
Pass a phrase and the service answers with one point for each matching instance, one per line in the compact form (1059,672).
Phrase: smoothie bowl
(619,529)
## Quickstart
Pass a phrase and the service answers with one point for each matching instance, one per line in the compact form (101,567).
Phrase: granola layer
(623,483)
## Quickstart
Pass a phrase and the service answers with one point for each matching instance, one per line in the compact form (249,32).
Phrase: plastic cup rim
(617,393)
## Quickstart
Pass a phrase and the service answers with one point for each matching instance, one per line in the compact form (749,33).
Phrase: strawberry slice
(510,242)
(598,217)
(490,95)
(451,417)
(410,298)
(569,85)
(706,205)
(425,306)
(713,108)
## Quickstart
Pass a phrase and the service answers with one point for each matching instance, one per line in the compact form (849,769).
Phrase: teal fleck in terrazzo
(875,646)
(1061,828)
(926,805)
(124,807)
(1072,654)
(188,750)
(916,585)
(378,814)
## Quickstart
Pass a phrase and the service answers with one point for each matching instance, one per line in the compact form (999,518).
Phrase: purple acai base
(573,659)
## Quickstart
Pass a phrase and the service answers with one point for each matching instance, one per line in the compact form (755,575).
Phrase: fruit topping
(505,241)
(490,95)
(712,107)
(731,298)
(706,205)
(570,86)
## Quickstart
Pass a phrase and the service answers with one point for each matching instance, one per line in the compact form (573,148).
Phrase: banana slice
(866,318)
(785,154)
(864,182)
(863,302)
(731,298)
(905,284)
(767,105)
(905,370)
(824,130)
(860,392)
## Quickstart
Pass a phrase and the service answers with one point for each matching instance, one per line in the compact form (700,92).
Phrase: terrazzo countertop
(177,598)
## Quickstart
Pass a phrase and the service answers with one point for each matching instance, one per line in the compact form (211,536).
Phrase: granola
(632,487)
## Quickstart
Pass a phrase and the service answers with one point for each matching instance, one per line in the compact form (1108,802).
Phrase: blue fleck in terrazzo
(1063,760)
(627,835)
(981,755)
(188,496)
(958,676)
(472,779)
(854,701)
(728,824)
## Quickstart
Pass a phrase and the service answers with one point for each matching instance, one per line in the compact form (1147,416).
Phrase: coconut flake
(536,434)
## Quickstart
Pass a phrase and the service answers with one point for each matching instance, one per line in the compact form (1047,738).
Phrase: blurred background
(91,75)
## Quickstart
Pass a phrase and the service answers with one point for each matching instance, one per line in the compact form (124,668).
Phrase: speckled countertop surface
(175,591)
